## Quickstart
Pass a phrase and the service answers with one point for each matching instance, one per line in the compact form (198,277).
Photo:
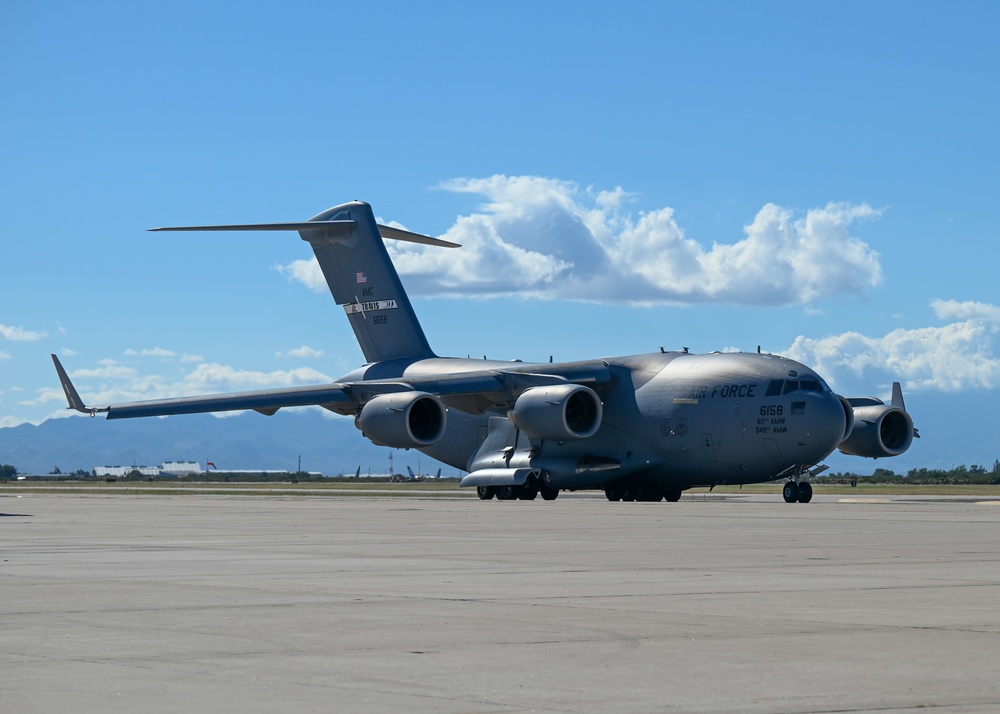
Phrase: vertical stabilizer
(363,279)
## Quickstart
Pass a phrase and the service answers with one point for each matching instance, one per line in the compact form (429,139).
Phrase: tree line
(963,474)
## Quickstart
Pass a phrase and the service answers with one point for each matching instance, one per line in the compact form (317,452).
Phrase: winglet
(72,396)
(897,396)
(897,401)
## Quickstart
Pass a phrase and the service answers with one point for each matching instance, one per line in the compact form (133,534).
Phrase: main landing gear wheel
(526,493)
(550,494)
(614,493)
(672,494)
(506,493)
(486,492)
(801,492)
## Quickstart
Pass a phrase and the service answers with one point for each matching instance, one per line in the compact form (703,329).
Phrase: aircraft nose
(829,423)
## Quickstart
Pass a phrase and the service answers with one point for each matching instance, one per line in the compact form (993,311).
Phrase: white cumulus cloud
(954,310)
(206,378)
(19,334)
(546,238)
(306,272)
(303,351)
(109,369)
(150,352)
(957,356)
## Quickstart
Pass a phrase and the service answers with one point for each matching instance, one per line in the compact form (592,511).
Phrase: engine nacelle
(879,430)
(849,416)
(561,412)
(404,420)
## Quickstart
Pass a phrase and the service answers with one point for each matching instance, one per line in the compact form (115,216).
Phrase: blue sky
(819,179)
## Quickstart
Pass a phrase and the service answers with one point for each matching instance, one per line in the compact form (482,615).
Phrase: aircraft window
(810,385)
(774,388)
(790,386)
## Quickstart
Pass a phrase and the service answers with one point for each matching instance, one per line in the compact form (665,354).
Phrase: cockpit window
(777,387)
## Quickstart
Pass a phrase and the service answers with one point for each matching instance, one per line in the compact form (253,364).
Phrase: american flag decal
(362,278)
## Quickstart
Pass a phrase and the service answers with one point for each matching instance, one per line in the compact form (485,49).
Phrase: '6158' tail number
(771,410)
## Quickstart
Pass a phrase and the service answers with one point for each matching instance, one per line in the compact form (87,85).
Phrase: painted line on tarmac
(864,500)
(988,503)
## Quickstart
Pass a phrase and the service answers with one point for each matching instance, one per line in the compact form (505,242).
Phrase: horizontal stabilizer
(339,227)
(400,234)
(335,227)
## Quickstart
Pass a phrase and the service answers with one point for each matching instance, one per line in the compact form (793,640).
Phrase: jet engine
(849,416)
(404,420)
(879,430)
(561,412)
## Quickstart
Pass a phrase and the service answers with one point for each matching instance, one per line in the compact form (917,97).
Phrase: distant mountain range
(332,446)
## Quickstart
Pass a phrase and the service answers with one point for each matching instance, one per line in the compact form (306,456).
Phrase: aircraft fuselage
(671,419)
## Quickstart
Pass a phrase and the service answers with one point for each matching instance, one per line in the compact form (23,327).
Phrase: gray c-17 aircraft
(641,428)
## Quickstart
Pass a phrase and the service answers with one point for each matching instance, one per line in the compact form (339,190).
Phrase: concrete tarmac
(736,604)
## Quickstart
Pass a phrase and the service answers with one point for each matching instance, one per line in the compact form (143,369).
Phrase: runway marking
(864,500)
(988,503)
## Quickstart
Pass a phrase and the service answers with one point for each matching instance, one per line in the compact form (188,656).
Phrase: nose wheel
(801,492)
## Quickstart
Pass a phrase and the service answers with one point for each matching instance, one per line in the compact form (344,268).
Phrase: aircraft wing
(474,391)
(265,401)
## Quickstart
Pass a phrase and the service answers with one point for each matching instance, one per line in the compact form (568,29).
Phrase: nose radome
(829,426)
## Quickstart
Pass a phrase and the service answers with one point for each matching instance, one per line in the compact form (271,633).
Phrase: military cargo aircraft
(419,477)
(640,428)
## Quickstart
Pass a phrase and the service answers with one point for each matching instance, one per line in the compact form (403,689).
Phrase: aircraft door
(708,446)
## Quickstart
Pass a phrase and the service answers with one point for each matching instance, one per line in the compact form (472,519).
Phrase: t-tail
(363,279)
(348,245)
